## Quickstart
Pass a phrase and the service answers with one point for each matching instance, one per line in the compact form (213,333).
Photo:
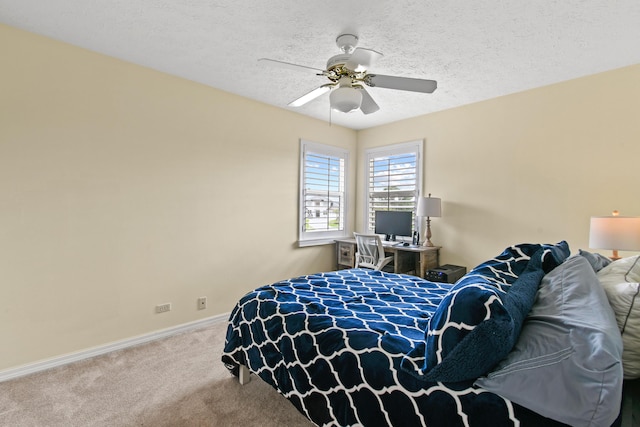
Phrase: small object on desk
(405,244)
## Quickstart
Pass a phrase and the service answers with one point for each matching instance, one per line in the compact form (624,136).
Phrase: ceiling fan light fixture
(345,99)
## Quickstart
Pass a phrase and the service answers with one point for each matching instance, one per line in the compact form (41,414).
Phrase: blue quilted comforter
(341,347)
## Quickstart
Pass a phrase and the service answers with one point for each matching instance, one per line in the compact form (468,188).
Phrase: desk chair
(370,252)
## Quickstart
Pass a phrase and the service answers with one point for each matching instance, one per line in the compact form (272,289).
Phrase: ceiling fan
(347,72)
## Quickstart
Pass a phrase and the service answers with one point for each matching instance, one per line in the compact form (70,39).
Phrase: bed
(526,338)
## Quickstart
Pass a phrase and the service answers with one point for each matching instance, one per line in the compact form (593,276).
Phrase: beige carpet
(176,381)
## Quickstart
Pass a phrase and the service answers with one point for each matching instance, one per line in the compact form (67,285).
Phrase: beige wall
(122,188)
(113,179)
(532,166)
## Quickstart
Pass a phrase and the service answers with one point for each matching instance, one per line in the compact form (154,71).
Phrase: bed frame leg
(244,375)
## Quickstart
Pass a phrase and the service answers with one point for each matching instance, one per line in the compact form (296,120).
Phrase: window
(393,179)
(323,171)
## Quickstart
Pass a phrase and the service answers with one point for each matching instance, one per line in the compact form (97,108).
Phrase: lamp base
(427,237)
(615,256)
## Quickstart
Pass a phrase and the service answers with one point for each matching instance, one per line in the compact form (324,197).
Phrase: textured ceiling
(476,49)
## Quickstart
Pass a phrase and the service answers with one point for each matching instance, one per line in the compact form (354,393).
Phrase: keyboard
(390,243)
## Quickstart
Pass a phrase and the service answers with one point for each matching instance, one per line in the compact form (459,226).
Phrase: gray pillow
(597,261)
(566,364)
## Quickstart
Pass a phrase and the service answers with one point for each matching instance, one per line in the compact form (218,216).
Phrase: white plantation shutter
(394,175)
(322,193)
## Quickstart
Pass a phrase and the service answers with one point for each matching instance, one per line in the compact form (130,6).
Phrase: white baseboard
(42,365)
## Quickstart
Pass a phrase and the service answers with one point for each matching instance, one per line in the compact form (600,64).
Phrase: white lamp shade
(345,99)
(429,206)
(615,232)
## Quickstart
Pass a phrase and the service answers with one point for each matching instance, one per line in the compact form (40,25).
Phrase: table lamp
(615,232)
(429,207)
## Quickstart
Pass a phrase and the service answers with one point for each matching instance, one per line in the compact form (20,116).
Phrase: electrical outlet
(162,308)
(202,303)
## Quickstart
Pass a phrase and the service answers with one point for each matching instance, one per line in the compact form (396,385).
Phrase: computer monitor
(394,223)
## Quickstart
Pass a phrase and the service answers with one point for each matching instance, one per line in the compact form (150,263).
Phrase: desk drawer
(346,255)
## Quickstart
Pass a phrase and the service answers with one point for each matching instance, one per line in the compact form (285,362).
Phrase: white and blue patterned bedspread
(332,343)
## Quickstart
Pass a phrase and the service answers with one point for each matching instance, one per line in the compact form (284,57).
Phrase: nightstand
(631,403)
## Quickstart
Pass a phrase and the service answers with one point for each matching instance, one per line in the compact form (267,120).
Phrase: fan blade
(288,65)
(368,105)
(361,59)
(311,95)
(401,83)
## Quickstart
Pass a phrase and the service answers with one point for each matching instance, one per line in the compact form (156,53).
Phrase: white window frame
(309,238)
(390,150)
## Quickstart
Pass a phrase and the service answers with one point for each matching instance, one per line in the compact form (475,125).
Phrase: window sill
(319,242)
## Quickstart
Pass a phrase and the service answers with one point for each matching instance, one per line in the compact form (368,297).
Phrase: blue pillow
(478,322)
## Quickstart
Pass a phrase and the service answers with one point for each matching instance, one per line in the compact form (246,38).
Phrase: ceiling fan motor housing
(338,60)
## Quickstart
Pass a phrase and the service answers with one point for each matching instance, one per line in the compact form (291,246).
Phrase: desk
(414,260)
